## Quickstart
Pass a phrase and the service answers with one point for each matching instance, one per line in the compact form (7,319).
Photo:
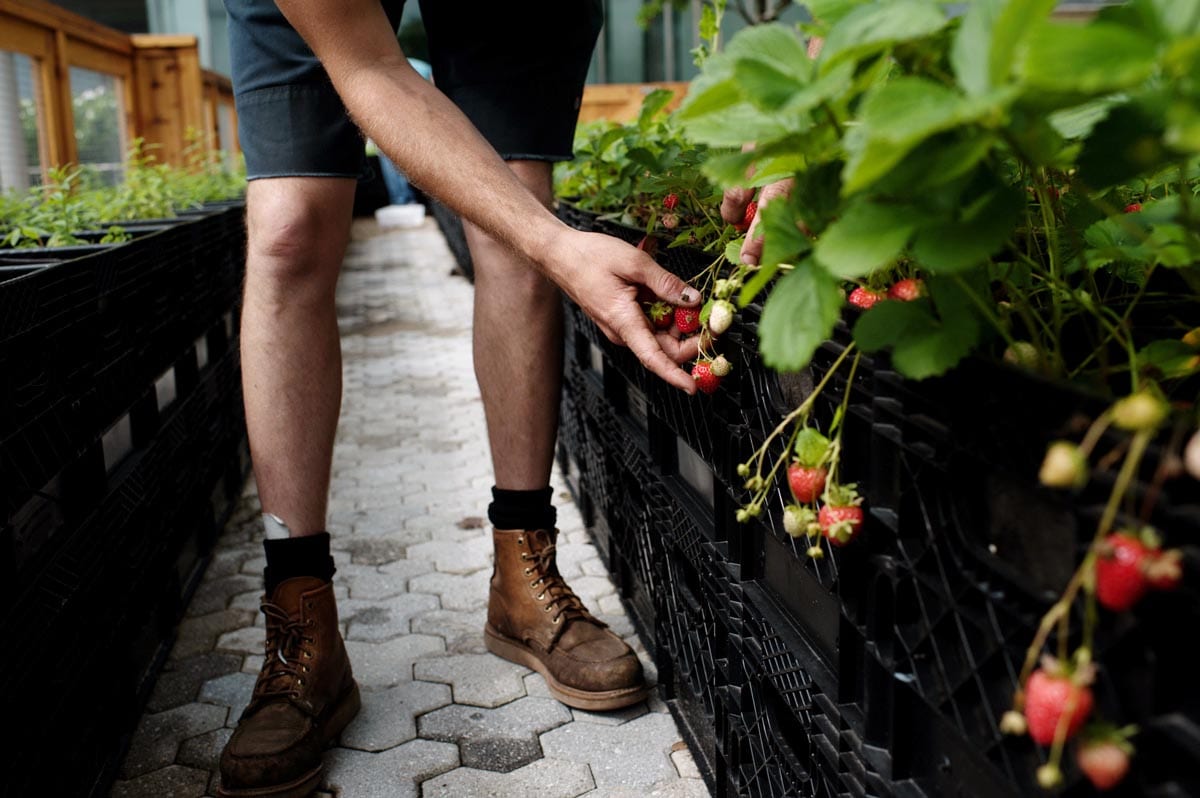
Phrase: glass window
(99,123)
(20,120)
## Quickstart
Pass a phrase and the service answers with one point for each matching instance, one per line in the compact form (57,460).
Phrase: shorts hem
(270,175)
(528,156)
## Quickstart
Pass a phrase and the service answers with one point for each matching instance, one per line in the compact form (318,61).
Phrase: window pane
(99,123)
(20,158)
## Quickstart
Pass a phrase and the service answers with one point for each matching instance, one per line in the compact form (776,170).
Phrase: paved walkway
(441,718)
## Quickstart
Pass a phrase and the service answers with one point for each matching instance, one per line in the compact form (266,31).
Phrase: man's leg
(533,616)
(518,350)
(292,376)
(291,356)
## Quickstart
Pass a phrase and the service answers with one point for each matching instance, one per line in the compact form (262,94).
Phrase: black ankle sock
(522,509)
(302,556)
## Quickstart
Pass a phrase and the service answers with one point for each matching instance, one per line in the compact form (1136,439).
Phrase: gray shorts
(517,75)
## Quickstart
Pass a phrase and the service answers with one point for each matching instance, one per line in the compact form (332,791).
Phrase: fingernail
(688,297)
(750,260)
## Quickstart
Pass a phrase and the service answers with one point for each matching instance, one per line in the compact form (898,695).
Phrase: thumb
(667,286)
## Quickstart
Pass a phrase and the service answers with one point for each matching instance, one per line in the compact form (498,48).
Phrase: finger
(666,286)
(681,350)
(646,347)
(751,252)
(734,202)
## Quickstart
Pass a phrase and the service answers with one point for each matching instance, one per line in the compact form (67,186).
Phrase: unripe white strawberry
(720,366)
(720,316)
(670,221)
(1139,412)
(1064,466)
(1191,456)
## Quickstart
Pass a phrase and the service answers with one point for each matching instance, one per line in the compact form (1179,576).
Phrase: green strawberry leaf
(874,28)
(923,344)
(1169,358)
(1094,59)
(811,447)
(971,238)
(798,316)
(868,236)
(785,242)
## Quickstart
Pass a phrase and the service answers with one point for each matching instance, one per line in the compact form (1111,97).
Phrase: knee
(295,239)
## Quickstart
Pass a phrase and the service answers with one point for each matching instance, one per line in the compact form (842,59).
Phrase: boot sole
(306,785)
(595,701)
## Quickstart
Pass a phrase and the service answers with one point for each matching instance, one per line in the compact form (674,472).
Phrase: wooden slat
(169,92)
(18,35)
(620,102)
(60,115)
(99,59)
(49,16)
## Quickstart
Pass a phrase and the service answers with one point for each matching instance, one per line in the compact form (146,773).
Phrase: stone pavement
(441,717)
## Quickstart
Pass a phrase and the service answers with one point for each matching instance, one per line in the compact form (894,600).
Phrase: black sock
(522,509)
(302,556)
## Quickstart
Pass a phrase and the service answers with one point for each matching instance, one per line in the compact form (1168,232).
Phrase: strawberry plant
(73,200)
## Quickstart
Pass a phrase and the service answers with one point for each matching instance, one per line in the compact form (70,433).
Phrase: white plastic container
(401,215)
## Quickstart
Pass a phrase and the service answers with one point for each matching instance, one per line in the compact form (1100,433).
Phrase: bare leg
(518,350)
(291,355)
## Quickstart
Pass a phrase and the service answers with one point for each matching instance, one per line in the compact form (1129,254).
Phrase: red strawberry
(1133,207)
(751,210)
(906,290)
(687,319)
(670,201)
(706,381)
(1120,578)
(864,298)
(806,483)
(840,524)
(1105,763)
(662,315)
(1046,700)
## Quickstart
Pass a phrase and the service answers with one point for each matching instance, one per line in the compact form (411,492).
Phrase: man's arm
(441,151)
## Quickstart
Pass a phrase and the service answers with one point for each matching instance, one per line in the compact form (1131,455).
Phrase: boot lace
(283,668)
(562,600)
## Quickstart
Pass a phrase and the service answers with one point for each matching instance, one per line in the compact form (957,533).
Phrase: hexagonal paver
(395,773)
(453,557)
(233,690)
(634,755)
(378,665)
(199,635)
(181,679)
(545,778)
(388,717)
(385,619)
(461,629)
(679,788)
(386,581)
(204,752)
(247,640)
(500,739)
(213,596)
(481,680)
(176,781)
(457,591)
(158,736)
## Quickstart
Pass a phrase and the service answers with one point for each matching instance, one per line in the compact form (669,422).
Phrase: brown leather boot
(536,620)
(304,697)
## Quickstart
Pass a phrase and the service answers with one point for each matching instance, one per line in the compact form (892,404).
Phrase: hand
(610,279)
(733,210)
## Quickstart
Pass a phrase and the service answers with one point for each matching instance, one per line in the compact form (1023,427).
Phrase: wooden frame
(163,91)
